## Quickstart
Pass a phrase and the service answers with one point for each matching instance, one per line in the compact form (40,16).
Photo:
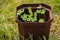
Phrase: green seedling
(41,20)
(35,16)
(24,17)
(33,20)
(29,18)
(30,11)
(20,11)
(38,11)
(43,11)
(39,7)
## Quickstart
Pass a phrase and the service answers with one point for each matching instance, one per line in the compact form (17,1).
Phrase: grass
(8,12)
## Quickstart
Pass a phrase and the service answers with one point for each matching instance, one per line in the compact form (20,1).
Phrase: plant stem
(30,11)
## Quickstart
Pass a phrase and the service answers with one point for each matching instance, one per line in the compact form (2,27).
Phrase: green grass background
(8,12)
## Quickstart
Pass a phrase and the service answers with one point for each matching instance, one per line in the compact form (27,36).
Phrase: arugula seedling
(30,11)
(43,11)
(35,15)
(41,20)
(24,17)
(39,7)
(29,18)
(38,11)
(33,20)
(20,11)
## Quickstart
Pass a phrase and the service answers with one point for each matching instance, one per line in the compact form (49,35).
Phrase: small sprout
(38,11)
(39,7)
(43,11)
(28,19)
(31,17)
(24,17)
(41,20)
(35,14)
(33,20)
(21,16)
(20,11)
(30,11)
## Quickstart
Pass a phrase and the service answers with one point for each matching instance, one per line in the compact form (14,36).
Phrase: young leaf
(39,7)
(38,11)
(30,11)
(20,11)
(41,20)
(29,18)
(33,20)
(35,15)
(24,17)
(43,11)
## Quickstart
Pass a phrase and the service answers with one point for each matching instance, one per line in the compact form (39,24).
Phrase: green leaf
(41,20)
(30,11)
(35,14)
(28,19)
(29,16)
(43,11)
(38,11)
(33,20)
(39,7)
(24,17)
(20,11)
